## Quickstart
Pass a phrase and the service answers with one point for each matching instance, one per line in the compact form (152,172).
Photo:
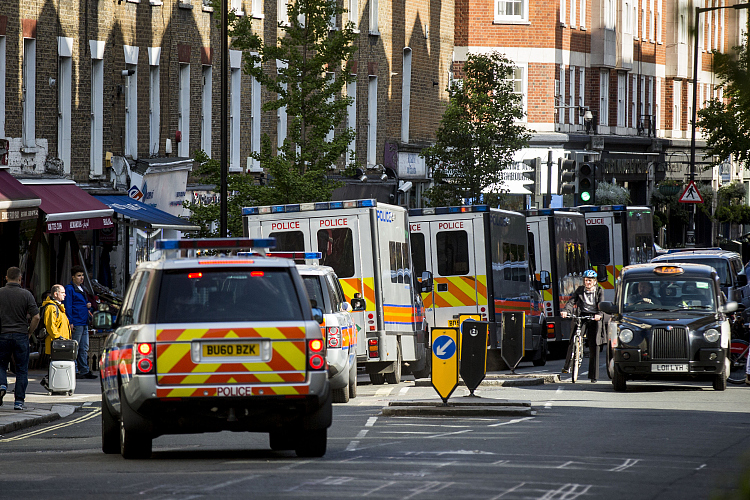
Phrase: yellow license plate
(452,322)
(231,350)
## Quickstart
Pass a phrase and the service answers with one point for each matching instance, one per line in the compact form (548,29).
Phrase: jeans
(15,344)
(81,335)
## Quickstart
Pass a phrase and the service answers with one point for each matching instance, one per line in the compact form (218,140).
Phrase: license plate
(453,323)
(250,349)
(669,368)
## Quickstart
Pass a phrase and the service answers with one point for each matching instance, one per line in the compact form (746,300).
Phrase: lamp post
(224,118)
(696,24)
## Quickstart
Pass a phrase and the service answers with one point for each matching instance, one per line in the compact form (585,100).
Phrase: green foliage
(307,67)
(611,194)
(738,214)
(478,134)
(727,126)
(732,194)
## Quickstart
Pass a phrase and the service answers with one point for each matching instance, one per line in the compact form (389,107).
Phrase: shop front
(18,206)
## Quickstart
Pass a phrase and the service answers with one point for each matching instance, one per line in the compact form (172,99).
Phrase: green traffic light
(585,196)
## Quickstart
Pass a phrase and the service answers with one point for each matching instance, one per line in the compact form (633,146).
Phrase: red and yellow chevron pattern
(461,292)
(364,286)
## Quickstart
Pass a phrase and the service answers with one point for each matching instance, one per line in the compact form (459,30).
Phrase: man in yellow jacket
(54,317)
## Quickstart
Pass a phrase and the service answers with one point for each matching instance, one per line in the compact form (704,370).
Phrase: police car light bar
(693,250)
(596,208)
(306,207)
(214,243)
(296,255)
(462,209)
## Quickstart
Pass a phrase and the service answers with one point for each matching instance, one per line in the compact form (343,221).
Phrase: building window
(562,11)
(154,112)
(682,29)
(626,18)
(643,19)
(257,8)
(657,106)
(235,110)
(283,12)
(514,10)
(183,117)
(351,120)
(64,94)
(583,14)
(206,114)
(354,13)
(255,113)
(650,100)
(610,13)
(642,96)
(406,96)
(677,111)
(561,96)
(331,81)
(97,116)
(518,81)
(131,111)
(633,103)
(571,109)
(372,120)
(622,99)
(689,103)
(281,118)
(374,17)
(29,93)
(658,21)
(572,13)
(651,21)
(236,6)
(604,97)
(581,92)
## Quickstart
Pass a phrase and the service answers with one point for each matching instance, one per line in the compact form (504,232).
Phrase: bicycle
(738,353)
(576,359)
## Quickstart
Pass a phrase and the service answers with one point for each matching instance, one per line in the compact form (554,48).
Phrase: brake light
(195,275)
(333,335)
(372,348)
(315,354)
(550,330)
(144,358)
(257,273)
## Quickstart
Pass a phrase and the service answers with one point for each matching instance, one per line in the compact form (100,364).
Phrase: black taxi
(212,343)
(669,321)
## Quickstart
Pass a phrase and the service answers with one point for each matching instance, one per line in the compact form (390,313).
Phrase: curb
(502,380)
(25,421)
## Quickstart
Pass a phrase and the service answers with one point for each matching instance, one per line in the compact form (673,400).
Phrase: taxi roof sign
(668,270)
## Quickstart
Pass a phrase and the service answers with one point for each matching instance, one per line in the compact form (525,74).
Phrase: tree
(611,194)
(727,125)
(478,134)
(307,67)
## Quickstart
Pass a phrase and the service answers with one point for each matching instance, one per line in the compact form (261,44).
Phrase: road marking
(448,434)
(403,391)
(227,483)
(511,490)
(378,488)
(385,391)
(567,492)
(627,464)
(564,465)
(352,446)
(429,487)
(699,468)
(548,405)
(371,421)
(362,433)
(92,414)
(514,421)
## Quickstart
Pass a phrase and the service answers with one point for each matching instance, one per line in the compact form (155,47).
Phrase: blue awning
(153,217)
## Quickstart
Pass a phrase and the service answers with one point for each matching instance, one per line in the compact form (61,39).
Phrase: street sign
(444,375)
(691,194)
(512,342)
(456,323)
(473,360)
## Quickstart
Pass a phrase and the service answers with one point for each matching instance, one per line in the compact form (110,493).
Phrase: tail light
(333,335)
(550,330)
(316,355)
(144,359)
(372,348)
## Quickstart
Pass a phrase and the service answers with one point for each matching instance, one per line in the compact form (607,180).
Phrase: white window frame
(374,26)
(634,103)
(604,97)
(2,85)
(581,92)
(720,31)
(97,108)
(572,97)
(282,7)
(562,10)
(677,105)
(689,104)
(131,112)
(610,14)
(642,96)
(235,109)
(659,20)
(29,93)
(64,100)
(331,76)
(582,13)
(183,147)
(561,96)
(351,121)
(372,120)
(643,20)
(651,98)
(281,116)
(206,107)
(236,6)
(354,14)
(255,116)
(622,99)
(154,111)
(651,17)
(523,83)
(257,9)
(657,105)
(626,19)
(524,9)
(406,95)
(572,13)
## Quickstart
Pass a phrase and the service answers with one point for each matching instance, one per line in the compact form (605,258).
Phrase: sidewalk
(41,407)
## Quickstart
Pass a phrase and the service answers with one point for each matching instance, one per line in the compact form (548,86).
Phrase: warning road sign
(691,194)
(444,361)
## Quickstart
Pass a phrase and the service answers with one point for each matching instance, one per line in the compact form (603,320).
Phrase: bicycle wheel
(738,351)
(577,357)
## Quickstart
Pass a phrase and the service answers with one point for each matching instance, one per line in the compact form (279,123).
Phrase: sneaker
(593,381)
(89,375)
(19,405)
(564,370)
(3,390)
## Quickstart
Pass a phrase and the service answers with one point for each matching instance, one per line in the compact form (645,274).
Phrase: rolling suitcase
(62,366)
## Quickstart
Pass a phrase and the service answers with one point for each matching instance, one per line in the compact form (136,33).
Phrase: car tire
(377,379)
(542,359)
(341,395)
(720,380)
(312,444)
(394,377)
(610,362)
(427,370)
(619,382)
(110,429)
(134,443)
(353,380)
(281,440)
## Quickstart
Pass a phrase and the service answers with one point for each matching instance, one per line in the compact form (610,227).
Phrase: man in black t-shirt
(17,306)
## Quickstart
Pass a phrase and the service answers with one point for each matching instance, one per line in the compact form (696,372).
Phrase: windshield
(668,294)
(213,296)
(721,266)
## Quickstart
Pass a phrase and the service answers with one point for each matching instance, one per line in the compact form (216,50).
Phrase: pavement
(42,407)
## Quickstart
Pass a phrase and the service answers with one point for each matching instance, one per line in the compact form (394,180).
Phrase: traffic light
(567,177)
(586,183)
(533,175)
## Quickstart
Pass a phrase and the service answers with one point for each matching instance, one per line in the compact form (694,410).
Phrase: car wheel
(720,380)
(394,377)
(610,362)
(110,429)
(341,395)
(377,379)
(353,381)
(619,382)
(427,370)
(312,443)
(134,443)
(281,440)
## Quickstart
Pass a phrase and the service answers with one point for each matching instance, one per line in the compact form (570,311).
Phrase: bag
(41,330)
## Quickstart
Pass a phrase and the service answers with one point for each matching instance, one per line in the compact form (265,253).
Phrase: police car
(213,343)
(669,322)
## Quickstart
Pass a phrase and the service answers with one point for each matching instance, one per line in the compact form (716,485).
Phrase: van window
(418,253)
(532,254)
(598,245)
(337,247)
(453,253)
(288,241)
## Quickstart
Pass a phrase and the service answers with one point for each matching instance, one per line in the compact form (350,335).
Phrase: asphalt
(41,407)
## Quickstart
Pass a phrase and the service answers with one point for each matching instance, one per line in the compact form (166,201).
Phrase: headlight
(711,335)
(626,335)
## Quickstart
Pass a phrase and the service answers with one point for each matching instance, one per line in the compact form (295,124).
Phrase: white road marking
(429,487)
(371,421)
(378,488)
(566,492)
(699,468)
(514,421)
(511,490)
(448,434)
(385,391)
(565,464)
(362,433)
(403,391)
(227,483)
(352,446)
(88,416)
(548,405)
(627,464)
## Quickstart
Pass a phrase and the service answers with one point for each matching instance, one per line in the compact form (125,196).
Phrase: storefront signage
(64,226)
(625,166)
(14,214)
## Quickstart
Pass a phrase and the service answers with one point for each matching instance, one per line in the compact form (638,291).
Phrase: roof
(647,270)
(697,253)
(17,202)
(207,263)
(305,269)
(68,207)
(152,216)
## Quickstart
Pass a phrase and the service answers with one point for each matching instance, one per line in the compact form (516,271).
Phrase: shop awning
(68,207)
(153,217)
(17,202)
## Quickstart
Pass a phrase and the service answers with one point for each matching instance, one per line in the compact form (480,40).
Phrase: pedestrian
(78,309)
(586,299)
(55,321)
(19,316)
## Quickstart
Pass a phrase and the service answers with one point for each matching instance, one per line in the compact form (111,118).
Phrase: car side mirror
(358,303)
(345,307)
(425,284)
(729,307)
(601,274)
(317,314)
(608,307)
(102,320)
(544,282)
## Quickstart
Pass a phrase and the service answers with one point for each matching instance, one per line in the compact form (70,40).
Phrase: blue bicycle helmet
(589,273)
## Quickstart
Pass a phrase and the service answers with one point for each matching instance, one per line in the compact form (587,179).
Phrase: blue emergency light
(307,207)
(461,209)
(214,243)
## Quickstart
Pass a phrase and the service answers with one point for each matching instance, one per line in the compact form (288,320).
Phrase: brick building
(628,62)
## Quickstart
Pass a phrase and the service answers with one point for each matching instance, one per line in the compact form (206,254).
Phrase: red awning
(17,202)
(68,207)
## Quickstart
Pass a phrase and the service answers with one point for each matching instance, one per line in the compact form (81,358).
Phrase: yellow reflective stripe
(291,353)
(167,360)
(482,298)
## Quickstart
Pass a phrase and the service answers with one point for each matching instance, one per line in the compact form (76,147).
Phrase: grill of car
(669,344)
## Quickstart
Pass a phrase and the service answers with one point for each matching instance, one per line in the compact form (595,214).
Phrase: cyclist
(586,299)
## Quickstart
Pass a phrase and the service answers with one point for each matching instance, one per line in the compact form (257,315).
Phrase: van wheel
(312,444)
(619,382)
(427,370)
(377,379)
(281,440)
(394,377)
(353,381)
(110,429)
